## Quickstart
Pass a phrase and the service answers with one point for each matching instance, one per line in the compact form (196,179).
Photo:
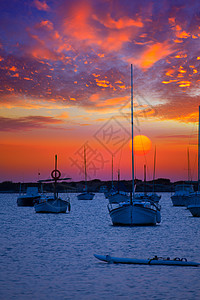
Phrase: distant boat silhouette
(29,198)
(85,195)
(53,204)
(194,198)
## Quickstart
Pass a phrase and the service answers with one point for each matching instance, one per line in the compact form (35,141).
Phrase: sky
(65,82)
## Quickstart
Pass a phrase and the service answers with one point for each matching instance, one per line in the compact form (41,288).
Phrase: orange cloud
(183,35)
(116,39)
(64,115)
(170,72)
(27,78)
(152,54)
(121,23)
(13,69)
(15,75)
(111,102)
(181,56)
(95,75)
(80,15)
(41,5)
(103,83)
(166,82)
(184,83)
(178,41)
(48,25)
(178,31)
(119,31)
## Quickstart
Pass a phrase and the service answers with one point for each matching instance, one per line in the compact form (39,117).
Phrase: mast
(85,169)
(55,178)
(154,170)
(132,132)
(199,151)
(145,179)
(118,175)
(188,156)
(112,171)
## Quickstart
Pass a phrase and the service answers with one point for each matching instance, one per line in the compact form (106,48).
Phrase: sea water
(50,256)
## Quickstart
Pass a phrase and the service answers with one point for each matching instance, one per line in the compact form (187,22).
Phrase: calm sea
(47,256)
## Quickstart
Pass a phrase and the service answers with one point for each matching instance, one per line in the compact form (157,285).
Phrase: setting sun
(142,144)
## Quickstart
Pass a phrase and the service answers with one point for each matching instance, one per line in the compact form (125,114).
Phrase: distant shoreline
(96,185)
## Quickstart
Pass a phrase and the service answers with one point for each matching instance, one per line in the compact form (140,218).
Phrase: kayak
(150,261)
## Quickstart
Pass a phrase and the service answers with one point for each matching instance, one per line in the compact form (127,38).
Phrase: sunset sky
(65,83)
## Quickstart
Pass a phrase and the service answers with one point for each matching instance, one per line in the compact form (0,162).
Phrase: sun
(141,144)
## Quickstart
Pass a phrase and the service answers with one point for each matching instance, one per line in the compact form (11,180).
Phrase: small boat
(117,195)
(29,198)
(49,204)
(85,195)
(134,212)
(148,197)
(193,200)
(182,192)
(103,189)
(53,204)
(153,197)
(150,261)
(194,209)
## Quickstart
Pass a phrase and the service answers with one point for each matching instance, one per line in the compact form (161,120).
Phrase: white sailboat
(193,200)
(85,195)
(53,204)
(134,212)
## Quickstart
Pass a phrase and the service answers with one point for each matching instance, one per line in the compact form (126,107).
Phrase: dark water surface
(47,256)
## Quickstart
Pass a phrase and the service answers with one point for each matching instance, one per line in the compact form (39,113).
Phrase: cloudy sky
(65,82)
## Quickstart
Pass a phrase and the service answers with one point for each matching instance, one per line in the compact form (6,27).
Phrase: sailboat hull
(85,196)
(179,200)
(134,214)
(27,201)
(194,209)
(118,197)
(52,206)
(193,198)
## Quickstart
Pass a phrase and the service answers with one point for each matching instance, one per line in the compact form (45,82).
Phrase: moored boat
(48,204)
(29,198)
(194,209)
(193,200)
(134,211)
(181,194)
(53,204)
(85,195)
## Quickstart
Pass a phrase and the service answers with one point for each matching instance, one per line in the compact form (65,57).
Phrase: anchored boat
(85,195)
(134,212)
(29,198)
(53,204)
